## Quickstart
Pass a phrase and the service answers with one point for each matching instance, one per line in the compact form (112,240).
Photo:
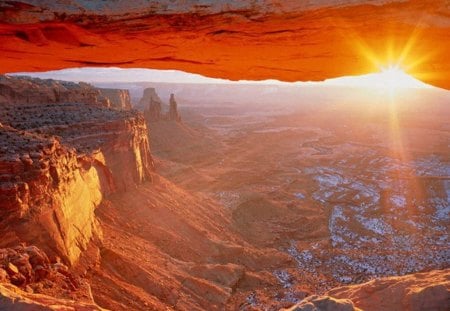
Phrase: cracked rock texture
(58,160)
(420,291)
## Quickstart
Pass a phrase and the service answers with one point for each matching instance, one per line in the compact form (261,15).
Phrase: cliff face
(57,162)
(26,270)
(152,106)
(149,96)
(120,99)
(46,195)
(25,90)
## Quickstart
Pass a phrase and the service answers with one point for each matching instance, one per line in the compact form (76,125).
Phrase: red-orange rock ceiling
(285,40)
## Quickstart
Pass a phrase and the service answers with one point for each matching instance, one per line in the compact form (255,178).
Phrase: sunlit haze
(391,77)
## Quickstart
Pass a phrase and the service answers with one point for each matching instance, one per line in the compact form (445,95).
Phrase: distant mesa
(22,90)
(119,99)
(148,96)
(153,106)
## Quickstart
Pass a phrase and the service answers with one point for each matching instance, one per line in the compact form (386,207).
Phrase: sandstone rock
(24,266)
(12,269)
(419,291)
(173,109)
(50,185)
(40,272)
(324,303)
(153,107)
(15,299)
(149,95)
(153,113)
(119,99)
(253,40)
(3,276)
(26,90)
(37,257)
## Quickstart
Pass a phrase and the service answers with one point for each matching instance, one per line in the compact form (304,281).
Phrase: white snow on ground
(398,200)
(284,278)
(299,195)
(375,224)
(369,238)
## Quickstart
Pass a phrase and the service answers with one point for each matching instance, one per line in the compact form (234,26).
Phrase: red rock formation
(153,112)
(57,162)
(287,40)
(148,96)
(420,291)
(153,107)
(26,90)
(26,273)
(120,99)
(173,109)
(15,299)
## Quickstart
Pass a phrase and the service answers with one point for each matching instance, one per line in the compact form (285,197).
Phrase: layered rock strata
(173,109)
(120,99)
(420,291)
(251,40)
(149,96)
(153,107)
(57,162)
(15,90)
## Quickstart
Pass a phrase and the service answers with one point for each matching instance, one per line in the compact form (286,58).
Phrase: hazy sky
(96,74)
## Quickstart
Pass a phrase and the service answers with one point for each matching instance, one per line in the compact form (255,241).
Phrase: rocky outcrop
(420,291)
(173,109)
(22,90)
(149,96)
(119,99)
(252,40)
(26,273)
(324,303)
(26,90)
(153,110)
(57,162)
(46,195)
(15,299)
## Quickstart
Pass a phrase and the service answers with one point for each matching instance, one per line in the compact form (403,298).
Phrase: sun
(393,77)
(390,78)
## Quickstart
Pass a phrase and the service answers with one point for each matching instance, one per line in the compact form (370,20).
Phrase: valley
(223,206)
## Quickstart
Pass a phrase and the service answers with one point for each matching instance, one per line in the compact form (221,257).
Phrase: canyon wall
(26,90)
(153,107)
(149,95)
(120,99)
(59,159)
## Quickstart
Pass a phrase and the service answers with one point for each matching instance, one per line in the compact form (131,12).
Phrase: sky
(386,78)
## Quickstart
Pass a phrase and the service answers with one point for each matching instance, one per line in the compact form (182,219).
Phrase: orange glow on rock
(293,46)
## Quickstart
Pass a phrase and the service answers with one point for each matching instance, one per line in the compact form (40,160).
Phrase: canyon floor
(312,198)
(241,207)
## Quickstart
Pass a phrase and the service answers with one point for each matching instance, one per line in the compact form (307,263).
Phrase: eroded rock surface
(120,99)
(420,291)
(25,90)
(285,40)
(153,107)
(58,160)
(30,281)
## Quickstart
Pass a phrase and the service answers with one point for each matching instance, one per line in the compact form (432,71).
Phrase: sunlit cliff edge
(51,185)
